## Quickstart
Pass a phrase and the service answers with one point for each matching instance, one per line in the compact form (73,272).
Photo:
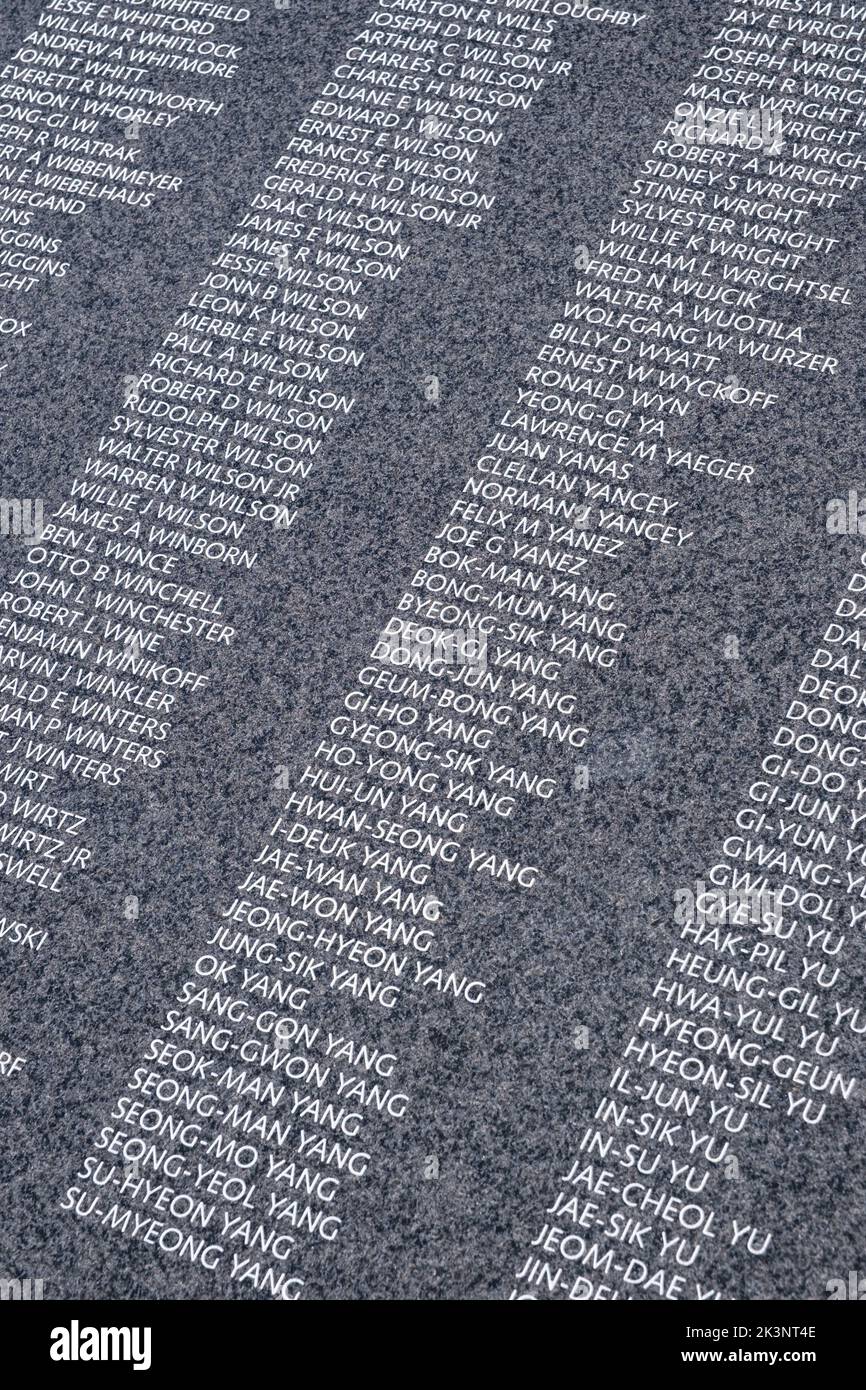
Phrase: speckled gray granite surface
(500,1094)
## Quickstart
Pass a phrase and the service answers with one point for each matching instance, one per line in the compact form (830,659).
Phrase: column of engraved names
(78,99)
(750,1017)
(340,896)
(114,612)
(743,1022)
(109,619)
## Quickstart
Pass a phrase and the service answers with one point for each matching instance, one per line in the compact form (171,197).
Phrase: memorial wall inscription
(430,683)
